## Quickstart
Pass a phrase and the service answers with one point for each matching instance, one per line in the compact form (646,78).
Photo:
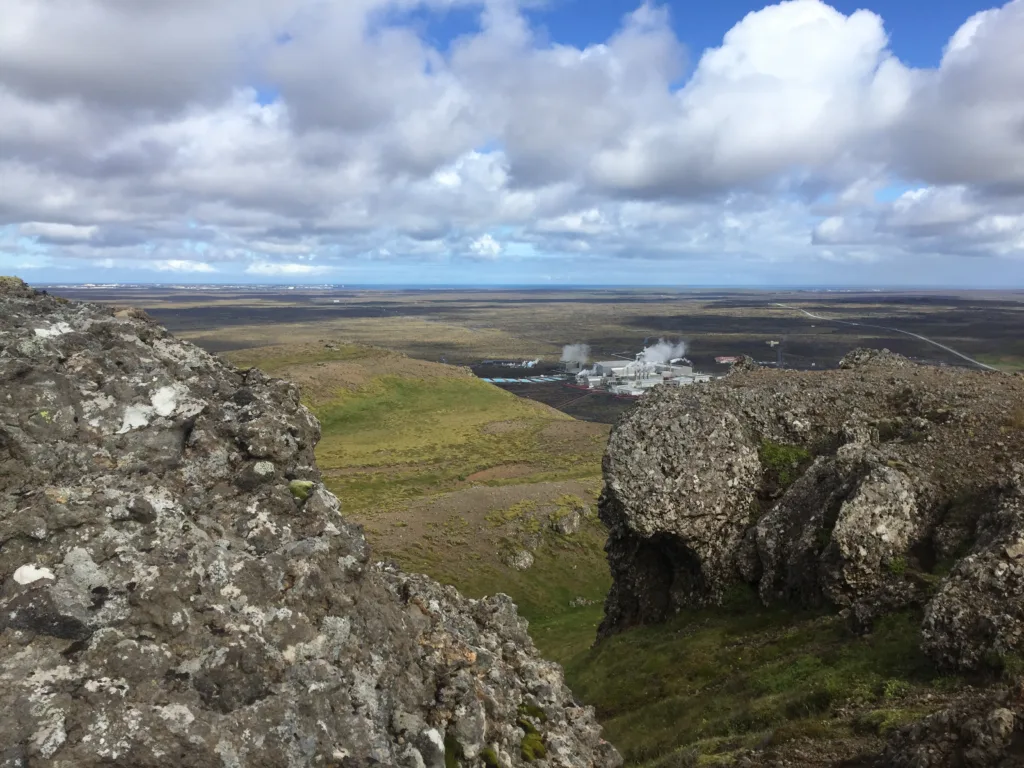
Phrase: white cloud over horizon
(270,269)
(782,146)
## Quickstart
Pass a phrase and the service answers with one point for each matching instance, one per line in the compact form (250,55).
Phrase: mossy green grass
(723,679)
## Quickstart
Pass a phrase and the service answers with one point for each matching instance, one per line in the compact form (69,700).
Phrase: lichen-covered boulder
(976,621)
(680,493)
(788,540)
(848,488)
(178,588)
(876,525)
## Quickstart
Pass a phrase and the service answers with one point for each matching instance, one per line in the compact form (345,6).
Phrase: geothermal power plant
(661,363)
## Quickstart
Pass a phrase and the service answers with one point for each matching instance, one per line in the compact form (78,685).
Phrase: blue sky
(515,142)
(918,29)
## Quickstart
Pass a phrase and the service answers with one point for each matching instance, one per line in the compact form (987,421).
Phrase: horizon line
(528,286)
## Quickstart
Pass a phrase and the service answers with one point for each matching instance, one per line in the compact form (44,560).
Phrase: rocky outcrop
(982,731)
(178,588)
(977,618)
(872,488)
(671,542)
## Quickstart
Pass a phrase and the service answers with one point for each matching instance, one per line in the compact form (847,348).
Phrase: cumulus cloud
(250,135)
(181,265)
(485,247)
(283,269)
(953,220)
(964,123)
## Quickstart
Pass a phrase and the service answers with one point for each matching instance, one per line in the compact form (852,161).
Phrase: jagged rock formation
(177,587)
(859,488)
(880,486)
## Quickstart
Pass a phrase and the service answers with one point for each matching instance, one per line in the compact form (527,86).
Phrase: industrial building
(633,378)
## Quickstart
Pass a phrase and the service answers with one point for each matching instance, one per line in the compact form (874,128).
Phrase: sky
(526,142)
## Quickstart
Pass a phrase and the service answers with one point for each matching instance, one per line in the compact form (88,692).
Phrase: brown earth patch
(574,436)
(504,427)
(502,472)
(425,521)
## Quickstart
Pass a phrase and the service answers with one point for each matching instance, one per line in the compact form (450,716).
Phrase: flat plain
(466,326)
(457,478)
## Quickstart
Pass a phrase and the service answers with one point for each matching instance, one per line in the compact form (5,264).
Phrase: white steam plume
(663,352)
(576,353)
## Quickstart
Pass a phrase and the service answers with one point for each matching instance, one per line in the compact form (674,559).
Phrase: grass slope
(396,429)
(712,682)
(400,438)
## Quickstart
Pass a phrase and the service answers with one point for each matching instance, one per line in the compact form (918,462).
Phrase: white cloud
(181,265)
(57,232)
(485,247)
(382,147)
(274,269)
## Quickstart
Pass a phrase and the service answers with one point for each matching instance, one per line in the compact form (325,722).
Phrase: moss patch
(783,464)
(301,489)
(453,753)
(533,711)
(532,747)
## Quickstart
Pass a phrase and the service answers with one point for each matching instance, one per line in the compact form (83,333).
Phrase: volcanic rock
(858,488)
(178,588)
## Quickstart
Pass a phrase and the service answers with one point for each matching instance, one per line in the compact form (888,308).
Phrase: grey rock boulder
(976,620)
(847,488)
(985,730)
(166,599)
(680,492)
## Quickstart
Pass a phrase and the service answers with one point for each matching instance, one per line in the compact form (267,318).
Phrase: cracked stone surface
(178,588)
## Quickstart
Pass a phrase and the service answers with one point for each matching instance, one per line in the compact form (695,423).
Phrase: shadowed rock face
(177,587)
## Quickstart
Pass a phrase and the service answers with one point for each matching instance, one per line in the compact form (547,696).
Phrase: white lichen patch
(263,468)
(176,714)
(135,417)
(51,734)
(228,755)
(435,737)
(107,685)
(45,677)
(57,329)
(165,401)
(29,574)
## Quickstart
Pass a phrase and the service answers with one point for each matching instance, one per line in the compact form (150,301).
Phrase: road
(894,330)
